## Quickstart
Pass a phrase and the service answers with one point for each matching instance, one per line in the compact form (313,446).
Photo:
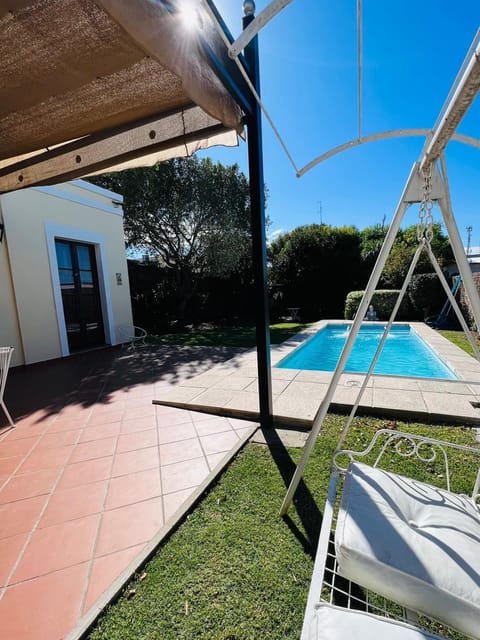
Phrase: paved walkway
(230,388)
(93,476)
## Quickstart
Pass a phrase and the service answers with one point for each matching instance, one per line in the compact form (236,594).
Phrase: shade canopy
(91,85)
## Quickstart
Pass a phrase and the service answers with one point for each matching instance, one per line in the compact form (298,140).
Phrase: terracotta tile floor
(91,473)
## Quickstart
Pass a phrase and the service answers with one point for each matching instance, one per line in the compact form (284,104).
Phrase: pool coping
(231,388)
(417,330)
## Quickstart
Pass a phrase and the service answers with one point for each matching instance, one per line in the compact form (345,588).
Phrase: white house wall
(9,328)
(33,219)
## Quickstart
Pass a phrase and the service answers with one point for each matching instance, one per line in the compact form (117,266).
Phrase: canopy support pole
(255,25)
(259,240)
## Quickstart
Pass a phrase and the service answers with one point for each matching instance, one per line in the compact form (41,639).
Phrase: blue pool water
(404,353)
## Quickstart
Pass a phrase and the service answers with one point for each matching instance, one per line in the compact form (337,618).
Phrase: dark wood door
(80,295)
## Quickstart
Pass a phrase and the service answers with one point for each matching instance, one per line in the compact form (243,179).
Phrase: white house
(63,271)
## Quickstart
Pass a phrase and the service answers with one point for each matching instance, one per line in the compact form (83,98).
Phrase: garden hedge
(383,302)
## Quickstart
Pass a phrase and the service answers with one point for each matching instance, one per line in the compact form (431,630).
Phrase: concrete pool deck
(230,388)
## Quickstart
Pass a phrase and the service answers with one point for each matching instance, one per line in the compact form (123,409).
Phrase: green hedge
(382,300)
(426,294)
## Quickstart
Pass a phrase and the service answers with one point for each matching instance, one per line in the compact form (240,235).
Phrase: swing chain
(425,216)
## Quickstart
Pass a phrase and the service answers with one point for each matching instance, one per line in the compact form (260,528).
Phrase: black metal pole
(259,241)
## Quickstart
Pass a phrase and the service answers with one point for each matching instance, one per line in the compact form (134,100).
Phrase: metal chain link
(425,216)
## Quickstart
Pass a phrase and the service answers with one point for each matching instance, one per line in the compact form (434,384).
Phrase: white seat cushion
(413,543)
(335,623)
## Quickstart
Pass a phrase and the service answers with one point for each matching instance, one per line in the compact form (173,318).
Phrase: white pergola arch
(383,135)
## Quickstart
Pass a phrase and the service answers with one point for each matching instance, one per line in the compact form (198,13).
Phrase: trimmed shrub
(383,302)
(465,304)
(426,294)
(314,267)
(352,303)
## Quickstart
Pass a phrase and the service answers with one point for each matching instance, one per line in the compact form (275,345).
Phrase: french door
(80,294)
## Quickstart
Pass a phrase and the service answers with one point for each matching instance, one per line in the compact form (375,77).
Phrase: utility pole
(469,237)
(320,211)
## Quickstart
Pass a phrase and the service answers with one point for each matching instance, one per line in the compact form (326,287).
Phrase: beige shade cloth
(228,139)
(72,69)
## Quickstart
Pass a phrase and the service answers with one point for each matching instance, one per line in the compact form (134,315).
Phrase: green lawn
(232,336)
(244,336)
(460,339)
(235,570)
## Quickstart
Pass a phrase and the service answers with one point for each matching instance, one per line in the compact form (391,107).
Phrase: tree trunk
(184,292)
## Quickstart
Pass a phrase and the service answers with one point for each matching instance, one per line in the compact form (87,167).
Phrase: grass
(244,336)
(235,570)
(460,339)
(232,336)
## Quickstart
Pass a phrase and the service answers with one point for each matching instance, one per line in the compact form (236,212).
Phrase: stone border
(231,388)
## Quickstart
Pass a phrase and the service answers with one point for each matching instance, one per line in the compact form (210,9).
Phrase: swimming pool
(404,353)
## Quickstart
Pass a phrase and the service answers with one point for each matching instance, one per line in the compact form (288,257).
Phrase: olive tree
(190,214)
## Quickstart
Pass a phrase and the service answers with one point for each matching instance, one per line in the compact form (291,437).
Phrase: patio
(94,476)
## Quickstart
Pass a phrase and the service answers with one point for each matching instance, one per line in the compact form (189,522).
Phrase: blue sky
(308,55)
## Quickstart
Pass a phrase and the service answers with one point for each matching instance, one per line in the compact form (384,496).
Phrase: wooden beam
(95,153)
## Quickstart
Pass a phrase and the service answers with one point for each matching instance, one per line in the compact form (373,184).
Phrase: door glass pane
(66,277)
(64,256)
(86,278)
(83,255)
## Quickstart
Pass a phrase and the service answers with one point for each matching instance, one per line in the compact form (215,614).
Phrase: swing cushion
(336,623)
(412,543)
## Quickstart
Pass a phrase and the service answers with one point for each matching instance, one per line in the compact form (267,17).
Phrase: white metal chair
(5,357)
(132,336)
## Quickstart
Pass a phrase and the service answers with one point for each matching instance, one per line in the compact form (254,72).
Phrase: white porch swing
(401,554)
(405,539)
(413,543)
(414,546)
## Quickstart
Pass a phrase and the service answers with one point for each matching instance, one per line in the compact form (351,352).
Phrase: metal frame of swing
(462,94)
(327,584)
(412,193)
(325,580)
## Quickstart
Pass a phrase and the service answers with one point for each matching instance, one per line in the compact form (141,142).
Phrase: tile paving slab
(94,476)
(280,437)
